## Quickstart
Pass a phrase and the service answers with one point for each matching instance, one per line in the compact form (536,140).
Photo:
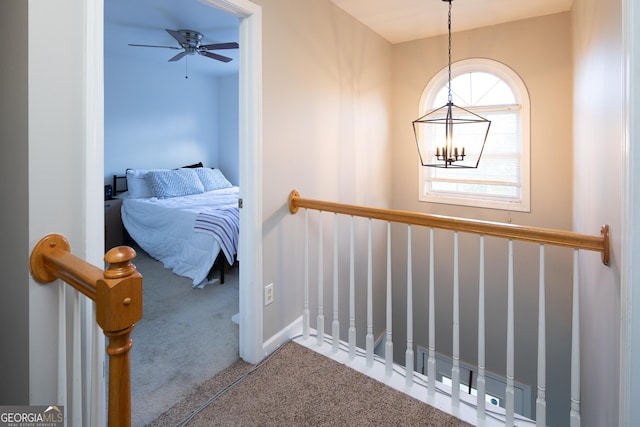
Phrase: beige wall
(326,129)
(327,120)
(539,51)
(598,155)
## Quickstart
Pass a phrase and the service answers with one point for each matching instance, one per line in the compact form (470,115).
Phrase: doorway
(250,164)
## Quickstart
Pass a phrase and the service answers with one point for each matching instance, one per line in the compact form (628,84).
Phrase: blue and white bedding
(184,232)
(223,224)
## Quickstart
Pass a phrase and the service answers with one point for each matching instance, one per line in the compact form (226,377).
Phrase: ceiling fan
(191,42)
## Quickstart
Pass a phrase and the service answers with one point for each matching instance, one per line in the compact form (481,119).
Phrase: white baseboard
(495,416)
(283,336)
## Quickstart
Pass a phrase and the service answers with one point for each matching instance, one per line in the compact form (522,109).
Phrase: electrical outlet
(268,294)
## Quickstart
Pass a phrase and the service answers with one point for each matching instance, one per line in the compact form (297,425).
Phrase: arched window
(501,181)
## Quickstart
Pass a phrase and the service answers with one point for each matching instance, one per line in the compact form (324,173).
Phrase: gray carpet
(185,337)
(298,387)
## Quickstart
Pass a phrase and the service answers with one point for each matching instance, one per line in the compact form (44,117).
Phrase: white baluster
(455,369)
(431,362)
(305,311)
(320,324)
(388,345)
(75,417)
(369,339)
(335,325)
(575,346)
(96,354)
(62,343)
(481,381)
(510,396)
(352,296)
(541,404)
(409,351)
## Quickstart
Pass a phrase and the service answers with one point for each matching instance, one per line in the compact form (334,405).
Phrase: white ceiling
(405,20)
(145,21)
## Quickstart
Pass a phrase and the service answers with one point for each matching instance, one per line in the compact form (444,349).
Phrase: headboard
(119,184)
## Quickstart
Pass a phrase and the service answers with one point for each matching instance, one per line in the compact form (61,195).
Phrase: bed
(186,218)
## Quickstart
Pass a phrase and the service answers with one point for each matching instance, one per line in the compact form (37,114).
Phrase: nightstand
(113,228)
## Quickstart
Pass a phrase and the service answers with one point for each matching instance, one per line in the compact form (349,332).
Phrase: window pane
(504,133)
(491,168)
(503,137)
(475,89)
(499,94)
(461,90)
(498,174)
(440,99)
(476,190)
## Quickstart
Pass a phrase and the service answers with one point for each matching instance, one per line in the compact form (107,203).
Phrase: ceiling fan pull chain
(186,67)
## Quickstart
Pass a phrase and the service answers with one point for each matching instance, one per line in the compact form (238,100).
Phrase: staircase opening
(496,385)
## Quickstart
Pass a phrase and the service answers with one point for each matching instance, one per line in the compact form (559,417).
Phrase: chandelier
(450,136)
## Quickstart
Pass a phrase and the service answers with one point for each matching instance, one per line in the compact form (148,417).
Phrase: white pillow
(137,186)
(123,195)
(212,179)
(174,183)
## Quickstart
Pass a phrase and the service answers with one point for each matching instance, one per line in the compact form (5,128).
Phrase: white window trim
(519,89)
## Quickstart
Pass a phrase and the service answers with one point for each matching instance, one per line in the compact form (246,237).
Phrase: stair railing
(464,225)
(117,292)
(510,232)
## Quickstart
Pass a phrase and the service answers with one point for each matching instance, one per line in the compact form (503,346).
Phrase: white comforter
(164,228)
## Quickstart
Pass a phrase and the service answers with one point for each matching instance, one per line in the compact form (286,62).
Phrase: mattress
(171,229)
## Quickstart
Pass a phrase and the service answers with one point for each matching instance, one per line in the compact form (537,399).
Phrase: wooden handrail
(486,228)
(117,292)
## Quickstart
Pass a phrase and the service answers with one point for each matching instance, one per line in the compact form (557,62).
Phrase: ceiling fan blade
(216,46)
(178,56)
(150,45)
(176,35)
(215,56)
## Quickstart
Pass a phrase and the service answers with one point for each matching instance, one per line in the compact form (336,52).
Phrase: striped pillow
(174,183)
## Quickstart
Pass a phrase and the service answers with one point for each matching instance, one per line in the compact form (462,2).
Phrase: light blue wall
(157,118)
(228,155)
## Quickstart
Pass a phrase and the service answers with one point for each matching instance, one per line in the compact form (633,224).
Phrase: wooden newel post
(118,308)
(117,292)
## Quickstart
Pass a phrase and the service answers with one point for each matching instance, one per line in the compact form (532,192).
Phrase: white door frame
(629,390)
(250,140)
(250,149)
